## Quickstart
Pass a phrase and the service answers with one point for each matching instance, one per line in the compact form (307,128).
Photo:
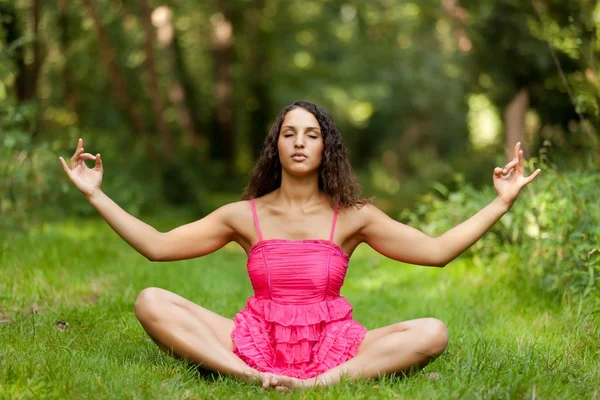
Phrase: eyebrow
(314,128)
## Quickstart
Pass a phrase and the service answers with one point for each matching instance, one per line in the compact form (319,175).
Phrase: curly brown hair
(336,178)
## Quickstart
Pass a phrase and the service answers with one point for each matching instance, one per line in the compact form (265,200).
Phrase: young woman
(300,219)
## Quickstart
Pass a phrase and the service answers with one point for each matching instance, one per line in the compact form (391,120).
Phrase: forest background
(430,96)
(178,96)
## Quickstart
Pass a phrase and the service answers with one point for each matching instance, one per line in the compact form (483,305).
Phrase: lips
(299,157)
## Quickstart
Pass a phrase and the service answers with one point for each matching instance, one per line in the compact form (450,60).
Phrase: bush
(554,226)
(34,188)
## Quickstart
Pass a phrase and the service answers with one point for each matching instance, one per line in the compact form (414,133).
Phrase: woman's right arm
(188,241)
(192,240)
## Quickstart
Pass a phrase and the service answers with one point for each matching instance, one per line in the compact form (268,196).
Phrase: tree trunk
(222,143)
(158,105)
(10,25)
(118,82)
(190,92)
(33,74)
(514,124)
(162,20)
(36,65)
(258,65)
(70,95)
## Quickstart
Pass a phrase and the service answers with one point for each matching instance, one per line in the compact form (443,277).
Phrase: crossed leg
(394,348)
(184,329)
(391,349)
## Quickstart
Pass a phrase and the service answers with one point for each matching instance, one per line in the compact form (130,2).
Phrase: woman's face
(300,142)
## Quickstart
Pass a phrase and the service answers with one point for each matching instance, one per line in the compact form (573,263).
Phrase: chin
(301,170)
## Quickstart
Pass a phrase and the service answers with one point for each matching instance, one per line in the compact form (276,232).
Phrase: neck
(298,192)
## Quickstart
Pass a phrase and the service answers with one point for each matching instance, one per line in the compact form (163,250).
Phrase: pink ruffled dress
(296,324)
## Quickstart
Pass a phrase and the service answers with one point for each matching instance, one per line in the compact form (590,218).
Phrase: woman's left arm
(402,243)
(508,183)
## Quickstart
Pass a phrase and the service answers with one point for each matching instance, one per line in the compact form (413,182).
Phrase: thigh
(378,333)
(220,325)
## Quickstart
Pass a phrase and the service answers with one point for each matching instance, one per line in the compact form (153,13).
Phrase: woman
(300,219)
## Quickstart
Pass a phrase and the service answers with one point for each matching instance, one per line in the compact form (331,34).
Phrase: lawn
(67,328)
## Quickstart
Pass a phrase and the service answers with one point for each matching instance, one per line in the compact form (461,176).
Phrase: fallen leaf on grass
(92,298)
(5,317)
(433,376)
(62,325)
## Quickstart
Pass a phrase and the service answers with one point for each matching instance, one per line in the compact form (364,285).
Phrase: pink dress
(296,324)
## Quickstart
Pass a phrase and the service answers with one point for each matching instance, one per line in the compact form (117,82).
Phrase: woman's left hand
(510,180)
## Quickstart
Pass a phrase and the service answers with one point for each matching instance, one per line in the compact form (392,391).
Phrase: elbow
(441,258)
(152,258)
(155,253)
(441,261)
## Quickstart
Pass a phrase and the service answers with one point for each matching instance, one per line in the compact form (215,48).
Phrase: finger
(77,153)
(531,177)
(79,145)
(98,166)
(510,166)
(75,160)
(497,172)
(65,167)
(508,176)
(88,156)
(281,389)
(517,148)
(521,165)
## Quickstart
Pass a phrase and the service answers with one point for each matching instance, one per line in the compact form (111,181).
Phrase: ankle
(317,381)
(248,375)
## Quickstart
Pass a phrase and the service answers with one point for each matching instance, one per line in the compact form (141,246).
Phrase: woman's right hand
(87,180)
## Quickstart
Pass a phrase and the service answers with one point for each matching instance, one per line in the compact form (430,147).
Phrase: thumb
(532,176)
(98,166)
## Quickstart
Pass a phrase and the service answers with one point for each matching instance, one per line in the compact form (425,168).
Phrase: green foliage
(505,340)
(35,189)
(27,179)
(395,75)
(551,235)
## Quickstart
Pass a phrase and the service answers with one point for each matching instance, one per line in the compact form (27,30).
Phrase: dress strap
(335,214)
(256,224)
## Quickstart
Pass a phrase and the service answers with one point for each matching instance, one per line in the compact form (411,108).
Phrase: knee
(435,333)
(146,303)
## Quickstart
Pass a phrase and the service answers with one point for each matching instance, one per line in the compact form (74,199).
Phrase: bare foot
(284,383)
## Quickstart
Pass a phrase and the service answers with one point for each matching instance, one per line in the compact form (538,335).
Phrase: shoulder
(236,207)
(361,212)
(232,212)
(360,217)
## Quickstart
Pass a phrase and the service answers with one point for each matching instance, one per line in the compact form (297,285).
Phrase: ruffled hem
(300,314)
(271,340)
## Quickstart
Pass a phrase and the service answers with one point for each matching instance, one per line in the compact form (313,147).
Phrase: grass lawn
(507,339)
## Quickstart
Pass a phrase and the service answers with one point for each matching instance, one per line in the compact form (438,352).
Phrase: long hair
(336,178)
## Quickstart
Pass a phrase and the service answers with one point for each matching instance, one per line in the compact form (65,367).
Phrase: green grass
(507,339)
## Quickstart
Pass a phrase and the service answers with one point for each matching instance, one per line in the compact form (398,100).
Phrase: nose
(299,142)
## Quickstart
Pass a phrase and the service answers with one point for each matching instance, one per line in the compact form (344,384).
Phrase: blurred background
(178,95)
